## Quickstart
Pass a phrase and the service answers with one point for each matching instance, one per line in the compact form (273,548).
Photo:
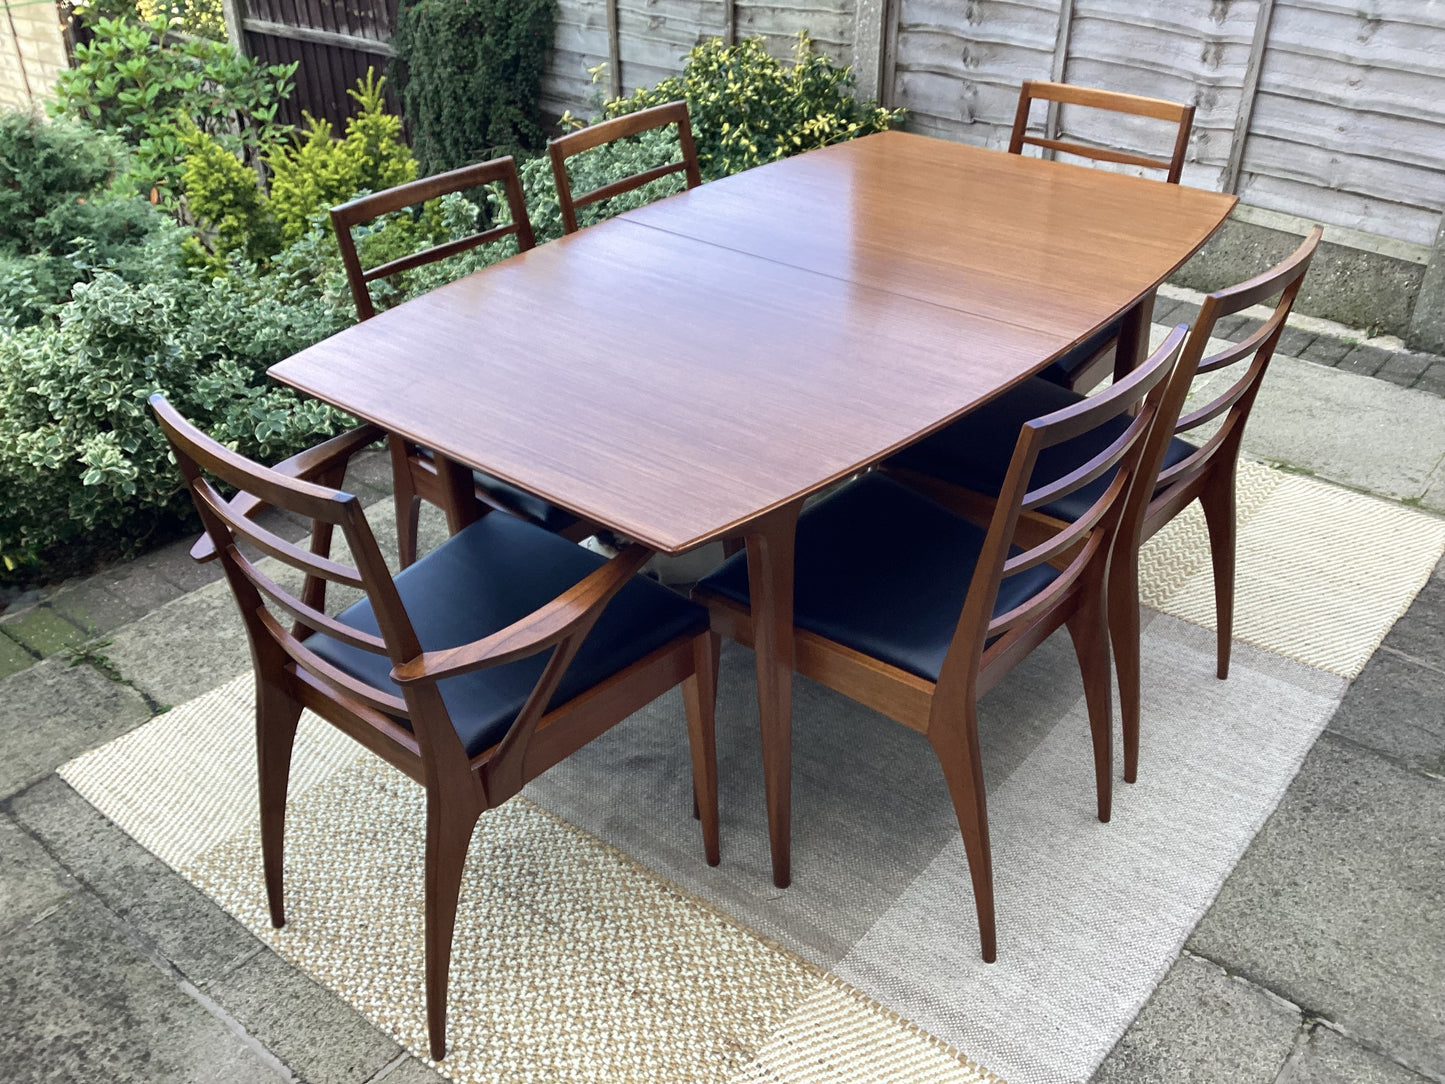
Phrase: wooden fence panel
(1349,126)
(958,65)
(333,43)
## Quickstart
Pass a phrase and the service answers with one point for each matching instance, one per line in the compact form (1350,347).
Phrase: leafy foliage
(469,73)
(318,172)
(57,222)
(81,461)
(748,108)
(137,82)
(224,197)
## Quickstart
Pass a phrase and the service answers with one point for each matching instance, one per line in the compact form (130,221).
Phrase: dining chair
(473,671)
(915,611)
(959,467)
(607,131)
(414,468)
(1089,362)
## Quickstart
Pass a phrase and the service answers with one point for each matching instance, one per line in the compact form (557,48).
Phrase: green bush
(319,172)
(58,224)
(137,82)
(469,73)
(748,108)
(85,471)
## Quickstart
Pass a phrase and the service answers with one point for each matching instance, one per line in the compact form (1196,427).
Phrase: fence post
(1427,322)
(1229,181)
(234,12)
(873,32)
(614,52)
(1056,69)
(730,22)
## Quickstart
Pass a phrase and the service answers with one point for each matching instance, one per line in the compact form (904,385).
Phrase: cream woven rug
(594,945)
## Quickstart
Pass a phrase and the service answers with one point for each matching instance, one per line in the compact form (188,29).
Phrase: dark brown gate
(333,42)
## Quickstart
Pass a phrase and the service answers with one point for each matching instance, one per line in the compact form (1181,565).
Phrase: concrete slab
(1339,905)
(1421,632)
(1433,498)
(321,1038)
(1331,1058)
(92,850)
(1397,706)
(185,648)
(43,631)
(53,711)
(1351,429)
(79,1002)
(194,935)
(1202,1026)
(13,657)
(30,883)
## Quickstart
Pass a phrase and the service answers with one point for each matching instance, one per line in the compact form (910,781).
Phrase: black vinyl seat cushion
(974,452)
(884,570)
(529,504)
(495,572)
(1064,368)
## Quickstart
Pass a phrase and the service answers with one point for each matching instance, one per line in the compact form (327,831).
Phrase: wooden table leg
(770,587)
(1133,345)
(460,494)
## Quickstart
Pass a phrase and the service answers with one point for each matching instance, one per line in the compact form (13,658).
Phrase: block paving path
(1321,962)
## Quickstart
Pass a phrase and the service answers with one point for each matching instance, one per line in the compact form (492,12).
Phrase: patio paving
(1322,960)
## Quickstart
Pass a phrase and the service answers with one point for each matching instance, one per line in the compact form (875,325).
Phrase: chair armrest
(305,465)
(577,606)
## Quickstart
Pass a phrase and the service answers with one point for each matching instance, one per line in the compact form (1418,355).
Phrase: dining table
(695,369)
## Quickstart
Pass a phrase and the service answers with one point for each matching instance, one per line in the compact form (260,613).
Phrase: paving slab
(1201,1026)
(192,933)
(13,657)
(1434,496)
(1352,429)
(1397,707)
(187,647)
(321,1038)
(43,631)
(80,1002)
(1420,633)
(30,883)
(1331,1058)
(1339,903)
(53,711)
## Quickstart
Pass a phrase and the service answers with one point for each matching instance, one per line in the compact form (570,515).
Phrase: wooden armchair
(594,135)
(1089,362)
(414,468)
(959,467)
(915,611)
(473,671)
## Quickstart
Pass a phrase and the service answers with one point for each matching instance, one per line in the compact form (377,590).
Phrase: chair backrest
(365,208)
(1064,94)
(1139,396)
(1236,401)
(594,135)
(560,624)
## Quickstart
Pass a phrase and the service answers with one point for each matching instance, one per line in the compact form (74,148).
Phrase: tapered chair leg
(1219,516)
(277,713)
(699,694)
(449,832)
(1124,636)
(955,743)
(1089,629)
(408,501)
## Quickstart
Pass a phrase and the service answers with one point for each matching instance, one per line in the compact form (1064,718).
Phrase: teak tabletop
(692,370)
